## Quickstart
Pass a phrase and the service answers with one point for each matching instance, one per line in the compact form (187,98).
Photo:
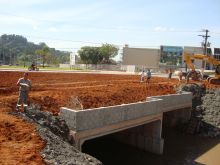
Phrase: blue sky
(70,24)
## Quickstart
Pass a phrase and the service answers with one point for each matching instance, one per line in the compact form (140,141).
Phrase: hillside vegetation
(16,49)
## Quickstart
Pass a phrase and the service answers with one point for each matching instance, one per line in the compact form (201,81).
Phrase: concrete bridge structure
(138,124)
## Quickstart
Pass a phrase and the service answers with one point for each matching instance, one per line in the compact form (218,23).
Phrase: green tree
(90,55)
(24,59)
(97,55)
(39,52)
(44,53)
(108,51)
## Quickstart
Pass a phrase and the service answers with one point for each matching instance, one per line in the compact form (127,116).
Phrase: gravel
(205,108)
(59,148)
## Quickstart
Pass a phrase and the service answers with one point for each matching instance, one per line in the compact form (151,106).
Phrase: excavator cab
(195,75)
(216,79)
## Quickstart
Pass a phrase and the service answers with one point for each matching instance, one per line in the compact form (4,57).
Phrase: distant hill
(16,49)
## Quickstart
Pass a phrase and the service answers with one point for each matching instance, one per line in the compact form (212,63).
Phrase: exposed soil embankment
(54,90)
(19,141)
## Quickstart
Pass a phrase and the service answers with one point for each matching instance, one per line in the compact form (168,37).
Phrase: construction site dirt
(19,142)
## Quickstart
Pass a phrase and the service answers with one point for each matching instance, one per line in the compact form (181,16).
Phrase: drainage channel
(113,151)
(178,149)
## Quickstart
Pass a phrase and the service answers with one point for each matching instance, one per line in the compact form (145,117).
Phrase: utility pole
(206,43)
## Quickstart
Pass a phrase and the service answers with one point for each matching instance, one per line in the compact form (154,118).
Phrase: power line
(206,43)
(96,43)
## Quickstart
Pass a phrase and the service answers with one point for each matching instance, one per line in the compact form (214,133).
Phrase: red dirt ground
(19,144)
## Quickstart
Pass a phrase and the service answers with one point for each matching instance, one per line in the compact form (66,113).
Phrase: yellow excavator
(195,75)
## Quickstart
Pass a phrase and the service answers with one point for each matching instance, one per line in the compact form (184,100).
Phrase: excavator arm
(189,58)
(193,73)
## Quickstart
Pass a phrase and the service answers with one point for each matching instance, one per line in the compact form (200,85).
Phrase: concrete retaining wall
(100,117)
(174,101)
(79,120)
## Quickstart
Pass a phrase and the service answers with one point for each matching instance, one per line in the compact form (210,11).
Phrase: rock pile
(210,109)
(55,133)
(58,151)
(206,110)
(198,90)
(56,125)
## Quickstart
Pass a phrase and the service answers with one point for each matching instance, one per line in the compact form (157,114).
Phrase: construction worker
(142,76)
(148,76)
(24,87)
(180,75)
(170,74)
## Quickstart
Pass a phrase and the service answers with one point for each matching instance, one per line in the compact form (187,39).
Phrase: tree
(13,47)
(97,55)
(44,53)
(90,55)
(108,51)
(24,59)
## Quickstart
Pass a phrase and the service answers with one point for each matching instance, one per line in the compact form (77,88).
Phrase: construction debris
(74,103)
